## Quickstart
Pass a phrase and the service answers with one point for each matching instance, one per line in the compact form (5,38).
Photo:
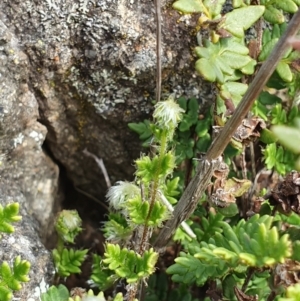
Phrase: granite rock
(73,73)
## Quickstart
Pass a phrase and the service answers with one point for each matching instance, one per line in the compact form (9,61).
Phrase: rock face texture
(73,73)
(27,175)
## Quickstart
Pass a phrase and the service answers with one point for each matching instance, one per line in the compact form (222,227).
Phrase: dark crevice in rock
(92,215)
(91,211)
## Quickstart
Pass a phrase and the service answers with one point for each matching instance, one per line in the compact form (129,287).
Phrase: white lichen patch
(83,6)
(52,4)
(11,240)
(38,137)
(18,140)
(42,288)
(102,89)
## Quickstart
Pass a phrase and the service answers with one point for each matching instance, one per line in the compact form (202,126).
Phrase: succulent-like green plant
(11,277)
(61,293)
(67,260)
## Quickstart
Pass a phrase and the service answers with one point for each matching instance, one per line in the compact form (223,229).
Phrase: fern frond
(252,243)
(68,261)
(128,264)
(189,269)
(170,189)
(140,213)
(101,276)
(11,278)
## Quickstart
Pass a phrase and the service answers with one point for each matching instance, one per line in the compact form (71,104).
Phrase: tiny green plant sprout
(61,293)
(68,260)
(11,277)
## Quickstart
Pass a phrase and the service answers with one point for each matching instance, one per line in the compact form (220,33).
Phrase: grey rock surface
(27,175)
(92,70)
(25,242)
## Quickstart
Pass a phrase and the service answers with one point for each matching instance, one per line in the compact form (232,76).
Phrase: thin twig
(199,183)
(188,230)
(100,163)
(218,146)
(250,274)
(158,49)
(92,198)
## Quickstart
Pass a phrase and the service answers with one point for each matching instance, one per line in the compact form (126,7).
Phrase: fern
(11,278)
(170,189)
(189,269)
(209,226)
(252,243)
(68,261)
(128,264)
(138,211)
(101,277)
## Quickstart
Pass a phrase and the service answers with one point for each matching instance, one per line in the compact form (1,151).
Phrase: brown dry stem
(199,183)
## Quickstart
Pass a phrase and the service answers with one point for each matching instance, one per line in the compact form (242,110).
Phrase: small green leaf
(191,116)
(8,215)
(273,15)
(276,31)
(228,284)
(214,7)
(267,137)
(266,98)
(249,68)
(189,6)
(170,189)
(59,293)
(284,71)
(142,128)
(267,48)
(296,249)
(233,91)
(221,59)
(5,294)
(205,68)
(240,19)
(260,110)
(21,269)
(203,143)
(292,293)
(278,115)
(288,137)
(68,261)
(270,155)
(287,5)
(237,3)
(229,211)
